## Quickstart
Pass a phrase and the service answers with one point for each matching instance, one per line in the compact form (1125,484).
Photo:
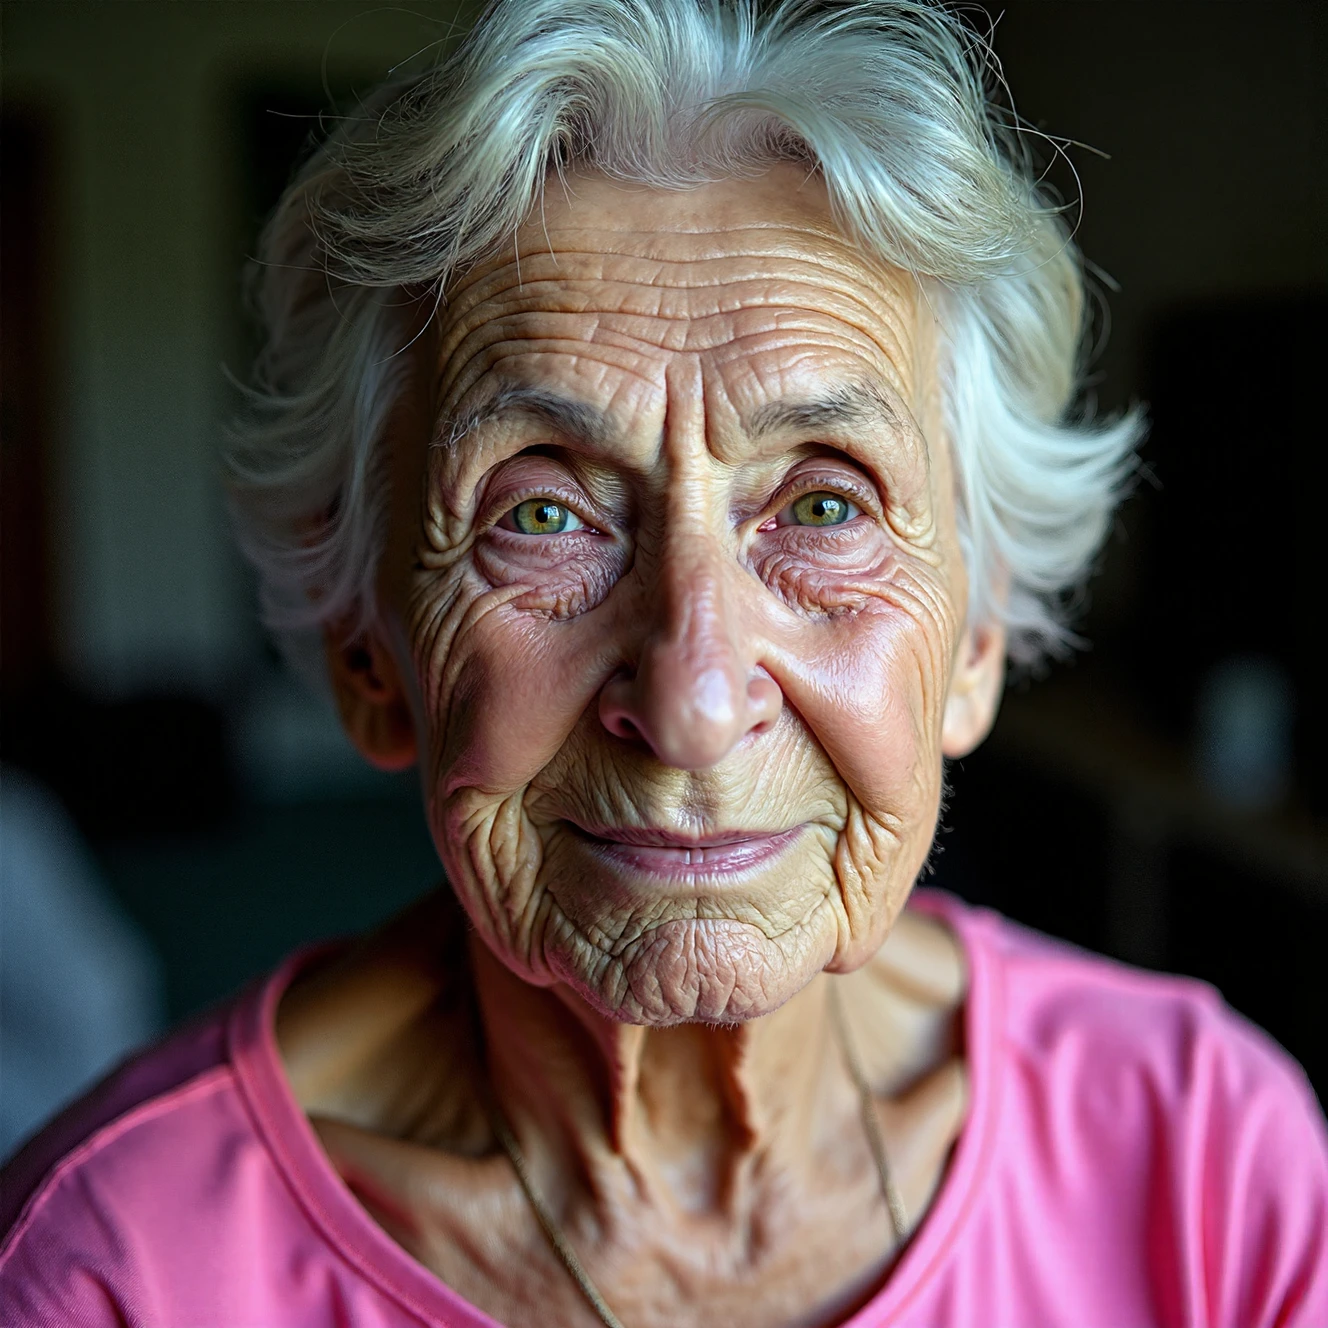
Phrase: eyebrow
(854,403)
(571,418)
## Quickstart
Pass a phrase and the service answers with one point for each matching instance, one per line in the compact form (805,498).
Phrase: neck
(682,1114)
(690,1118)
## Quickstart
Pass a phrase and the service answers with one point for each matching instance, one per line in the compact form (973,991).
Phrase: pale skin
(673,621)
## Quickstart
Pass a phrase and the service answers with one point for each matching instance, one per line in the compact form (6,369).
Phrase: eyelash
(860,495)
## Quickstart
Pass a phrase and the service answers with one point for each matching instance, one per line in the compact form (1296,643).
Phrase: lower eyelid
(586,540)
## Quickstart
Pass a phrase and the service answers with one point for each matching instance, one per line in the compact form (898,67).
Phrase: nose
(695,692)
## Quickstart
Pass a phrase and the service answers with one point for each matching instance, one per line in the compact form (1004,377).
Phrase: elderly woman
(661,443)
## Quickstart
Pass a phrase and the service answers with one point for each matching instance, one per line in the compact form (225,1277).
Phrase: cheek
(502,686)
(870,685)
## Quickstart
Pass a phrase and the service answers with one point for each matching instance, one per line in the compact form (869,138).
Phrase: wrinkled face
(680,608)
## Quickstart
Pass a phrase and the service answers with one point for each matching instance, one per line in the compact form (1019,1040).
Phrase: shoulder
(108,1166)
(140,1202)
(1107,1026)
(1066,1010)
(154,1076)
(1142,1100)
(137,1203)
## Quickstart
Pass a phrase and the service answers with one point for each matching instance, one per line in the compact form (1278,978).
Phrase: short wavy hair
(891,101)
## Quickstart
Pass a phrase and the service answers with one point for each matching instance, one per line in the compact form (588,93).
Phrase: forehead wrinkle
(628,292)
(817,288)
(671,256)
(626,340)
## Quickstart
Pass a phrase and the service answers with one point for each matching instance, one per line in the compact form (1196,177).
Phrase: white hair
(888,99)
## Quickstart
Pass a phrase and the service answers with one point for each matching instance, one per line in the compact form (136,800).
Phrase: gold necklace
(567,1255)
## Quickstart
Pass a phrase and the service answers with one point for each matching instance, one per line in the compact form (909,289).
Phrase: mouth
(670,854)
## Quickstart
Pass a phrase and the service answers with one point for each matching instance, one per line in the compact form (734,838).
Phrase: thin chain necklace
(871,1124)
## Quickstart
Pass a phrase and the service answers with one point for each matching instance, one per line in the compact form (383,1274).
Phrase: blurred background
(176,812)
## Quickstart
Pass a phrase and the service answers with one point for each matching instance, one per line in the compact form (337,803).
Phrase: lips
(667,853)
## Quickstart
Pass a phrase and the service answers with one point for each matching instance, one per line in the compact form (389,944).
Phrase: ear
(371,698)
(975,689)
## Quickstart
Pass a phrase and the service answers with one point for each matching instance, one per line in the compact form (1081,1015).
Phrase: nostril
(622,727)
(764,702)
(615,709)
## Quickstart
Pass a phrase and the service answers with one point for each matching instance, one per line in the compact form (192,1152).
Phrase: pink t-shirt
(1135,1154)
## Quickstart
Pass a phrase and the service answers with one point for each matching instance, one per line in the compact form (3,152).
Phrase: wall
(1212,117)
(139,96)
(1212,113)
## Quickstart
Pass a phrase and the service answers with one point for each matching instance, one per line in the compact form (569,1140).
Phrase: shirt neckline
(937,1238)
(361,1243)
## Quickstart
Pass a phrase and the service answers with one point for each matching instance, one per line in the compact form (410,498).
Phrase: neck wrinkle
(685,1116)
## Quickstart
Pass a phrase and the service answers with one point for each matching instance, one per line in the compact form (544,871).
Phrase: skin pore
(673,623)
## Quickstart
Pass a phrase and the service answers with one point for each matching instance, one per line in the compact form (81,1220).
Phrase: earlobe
(371,699)
(975,689)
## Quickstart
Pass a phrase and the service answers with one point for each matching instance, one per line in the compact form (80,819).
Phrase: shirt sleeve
(1262,1192)
(47,1283)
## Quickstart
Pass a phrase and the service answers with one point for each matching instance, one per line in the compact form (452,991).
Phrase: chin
(693,970)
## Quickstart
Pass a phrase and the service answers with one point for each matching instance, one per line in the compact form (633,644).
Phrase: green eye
(821,509)
(542,516)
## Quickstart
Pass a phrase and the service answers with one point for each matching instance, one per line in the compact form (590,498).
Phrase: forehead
(608,288)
